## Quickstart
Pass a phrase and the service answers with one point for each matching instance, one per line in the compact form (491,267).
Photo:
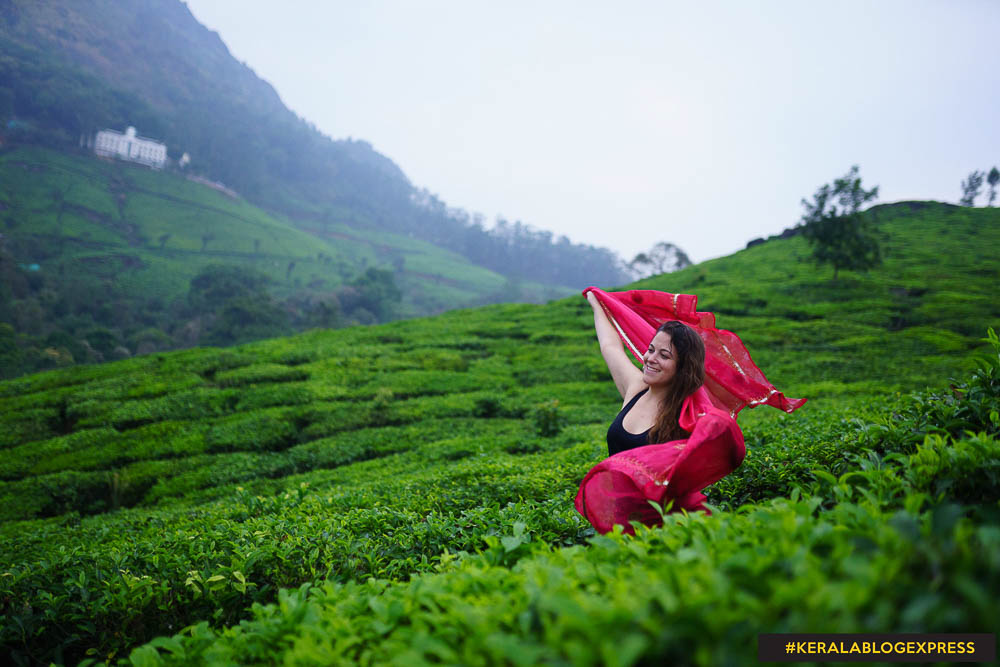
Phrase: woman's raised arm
(626,376)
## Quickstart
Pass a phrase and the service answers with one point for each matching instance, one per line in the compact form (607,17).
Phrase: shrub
(259,373)
(547,418)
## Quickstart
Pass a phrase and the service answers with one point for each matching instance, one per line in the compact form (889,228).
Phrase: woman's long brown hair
(689,355)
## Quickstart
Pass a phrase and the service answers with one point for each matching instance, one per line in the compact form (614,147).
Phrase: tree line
(47,321)
(515,249)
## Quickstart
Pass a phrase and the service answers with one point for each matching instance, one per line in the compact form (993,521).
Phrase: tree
(375,291)
(993,179)
(661,258)
(324,314)
(842,237)
(12,358)
(247,318)
(970,188)
(217,284)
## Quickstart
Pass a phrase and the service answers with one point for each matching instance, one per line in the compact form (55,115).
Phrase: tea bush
(548,420)
(204,488)
(842,554)
(283,540)
(259,373)
(681,594)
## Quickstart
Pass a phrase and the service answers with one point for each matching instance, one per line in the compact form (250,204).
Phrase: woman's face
(659,364)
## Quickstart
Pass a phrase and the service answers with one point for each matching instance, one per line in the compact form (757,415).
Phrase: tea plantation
(147,233)
(402,494)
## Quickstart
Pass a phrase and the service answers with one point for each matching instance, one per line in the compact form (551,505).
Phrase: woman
(673,369)
(676,432)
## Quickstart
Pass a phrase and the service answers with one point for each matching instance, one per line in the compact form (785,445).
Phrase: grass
(78,215)
(332,496)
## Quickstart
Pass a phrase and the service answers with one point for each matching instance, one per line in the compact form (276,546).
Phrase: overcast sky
(625,124)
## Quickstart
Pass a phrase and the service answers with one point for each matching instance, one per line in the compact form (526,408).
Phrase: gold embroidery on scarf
(733,360)
(764,400)
(621,333)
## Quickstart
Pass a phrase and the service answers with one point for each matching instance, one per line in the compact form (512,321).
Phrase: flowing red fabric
(731,377)
(618,489)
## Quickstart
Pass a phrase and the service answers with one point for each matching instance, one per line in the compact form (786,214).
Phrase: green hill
(115,246)
(69,70)
(404,492)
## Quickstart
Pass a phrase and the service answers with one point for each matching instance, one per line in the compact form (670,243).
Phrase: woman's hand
(627,377)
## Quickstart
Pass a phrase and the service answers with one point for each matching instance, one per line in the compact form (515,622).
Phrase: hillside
(116,247)
(440,456)
(69,70)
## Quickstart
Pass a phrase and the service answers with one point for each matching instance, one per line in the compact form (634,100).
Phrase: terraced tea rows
(144,496)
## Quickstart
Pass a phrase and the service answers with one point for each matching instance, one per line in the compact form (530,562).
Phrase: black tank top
(618,438)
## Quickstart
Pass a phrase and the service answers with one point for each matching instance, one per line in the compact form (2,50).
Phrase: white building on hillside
(128,146)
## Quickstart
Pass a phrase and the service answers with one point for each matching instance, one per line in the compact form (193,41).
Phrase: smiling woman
(676,432)
(673,369)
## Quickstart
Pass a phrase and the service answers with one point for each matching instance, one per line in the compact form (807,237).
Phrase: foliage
(993,179)
(776,568)
(548,420)
(217,284)
(247,318)
(842,553)
(971,187)
(203,488)
(841,237)
(375,290)
(117,247)
(522,253)
(661,258)
(43,95)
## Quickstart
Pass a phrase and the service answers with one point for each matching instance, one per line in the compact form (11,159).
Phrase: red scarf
(732,379)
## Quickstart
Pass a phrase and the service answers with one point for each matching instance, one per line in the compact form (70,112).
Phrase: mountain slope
(92,249)
(157,51)
(70,69)
(203,480)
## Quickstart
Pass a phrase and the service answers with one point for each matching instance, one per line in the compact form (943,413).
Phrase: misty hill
(69,69)
(426,469)
(99,258)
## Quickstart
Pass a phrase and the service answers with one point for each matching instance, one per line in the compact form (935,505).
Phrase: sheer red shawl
(731,377)
(618,489)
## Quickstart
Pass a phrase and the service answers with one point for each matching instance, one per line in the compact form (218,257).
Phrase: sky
(622,125)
